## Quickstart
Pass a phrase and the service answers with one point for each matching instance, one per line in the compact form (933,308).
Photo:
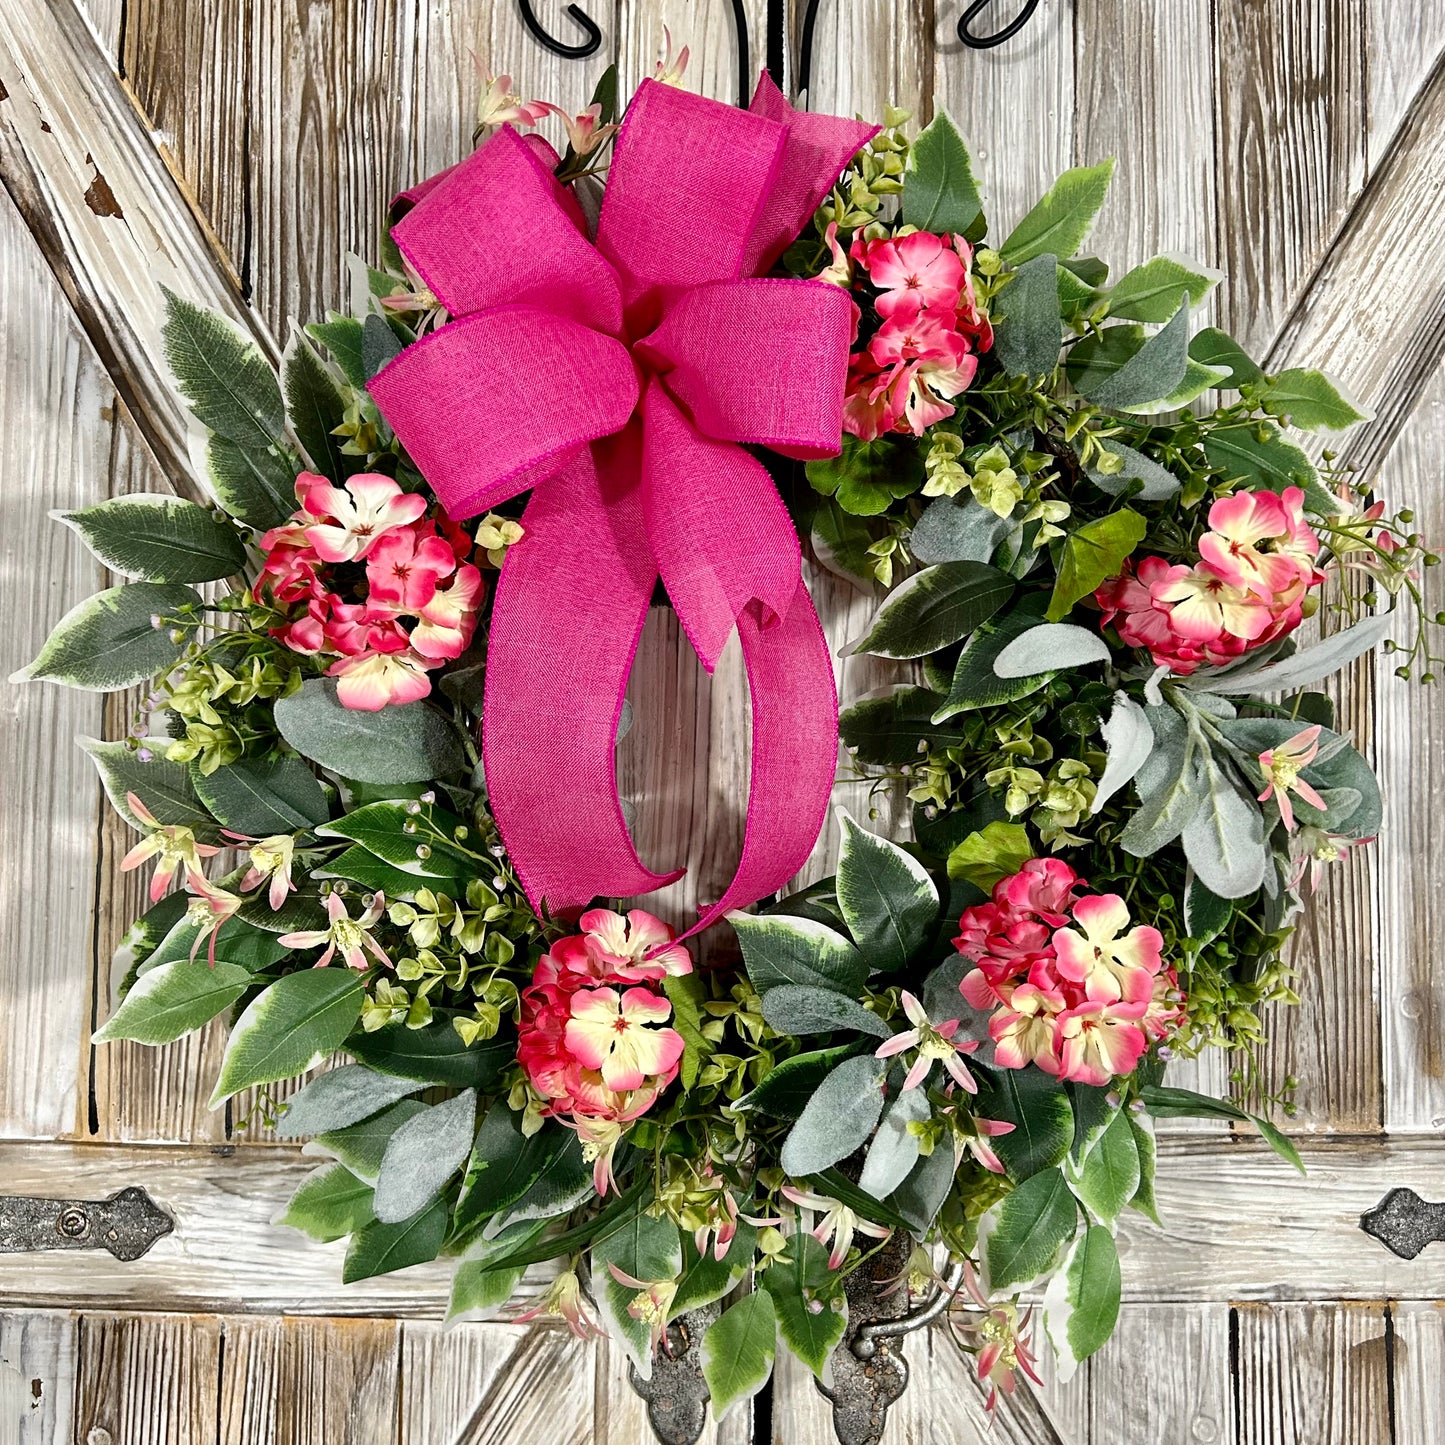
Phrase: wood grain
(1419,1338)
(1402,45)
(294,1381)
(149,1378)
(1409,734)
(37,1377)
(59,418)
(1309,1373)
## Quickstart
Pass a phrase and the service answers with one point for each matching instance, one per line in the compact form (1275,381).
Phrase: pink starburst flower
(1281,766)
(350,937)
(173,846)
(563,1300)
(999,1340)
(839,1224)
(934,1042)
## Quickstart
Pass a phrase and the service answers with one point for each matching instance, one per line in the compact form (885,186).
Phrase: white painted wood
(1419,1405)
(37,1378)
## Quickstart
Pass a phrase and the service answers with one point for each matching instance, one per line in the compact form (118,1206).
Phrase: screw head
(73,1223)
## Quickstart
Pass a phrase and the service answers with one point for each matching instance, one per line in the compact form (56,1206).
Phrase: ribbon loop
(535,384)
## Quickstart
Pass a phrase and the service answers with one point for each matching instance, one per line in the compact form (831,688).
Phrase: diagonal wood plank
(83,170)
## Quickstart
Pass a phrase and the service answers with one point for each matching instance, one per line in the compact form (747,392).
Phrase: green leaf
(1157,290)
(381,828)
(687,994)
(647,1249)
(163,787)
(340,1097)
(866,476)
(263,798)
(1093,1113)
(359,866)
(894,1150)
(422,1155)
(785,1091)
(255,487)
(505,1164)
(171,1000)
(939,191)
(993,852)
(1027,329)
(1168,783)
(1309,399)
(481,1284)
(1129,740)
(1224,840)
(957,529)
(1081,1305)
(888,900)
(1196,381)
(434,1054)
(798,1284)
(1258,454)
(362,1146)
(838,1118)
(935,608)
(411,742)
(1049,647)
(887,728)
(228,384)
(737,1351)
(779,949)
(378,345)
(1109,1177)
(975,684)
(330,1204)
(290,1028)
(1158,484)
(1030,1230)
(919,1198)
(1215,348)
(1038,1108)
(705,1279)
(1143,1200)
(384,1248)
(108,642)
(1091,555)
(237,942)
(158,538)
(1167,1103)
(315,407)
(1310,664)
(1061,220)
(1117,367)
(341,336)
(799,1009)
(841,541)
(142,938)
(1205,914)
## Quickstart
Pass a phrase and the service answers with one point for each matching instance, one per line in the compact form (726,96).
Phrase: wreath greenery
(1099,551)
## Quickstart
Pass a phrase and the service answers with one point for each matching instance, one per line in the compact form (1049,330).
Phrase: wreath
(1111,579)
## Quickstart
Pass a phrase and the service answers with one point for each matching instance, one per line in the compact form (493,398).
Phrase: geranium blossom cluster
(1070,989)
(592,1039)
(367,577)
(1256,564)
(925,351)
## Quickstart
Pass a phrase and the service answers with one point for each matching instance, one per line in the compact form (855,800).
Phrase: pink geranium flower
(1108,964)
(913,272)
(1281,767)
(637,948)
(1234,547)
(450,618)
(1203,605)
(374,680)
(1024,1031)
(354,517)
(405,567)
(1099,1041)
(617,1033)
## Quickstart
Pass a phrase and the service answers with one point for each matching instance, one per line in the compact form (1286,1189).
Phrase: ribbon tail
(795,750)
(568,614)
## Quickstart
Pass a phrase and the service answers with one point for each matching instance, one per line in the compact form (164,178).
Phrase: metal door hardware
(126,1224)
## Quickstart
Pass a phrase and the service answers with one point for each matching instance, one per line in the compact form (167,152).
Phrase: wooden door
(236,150)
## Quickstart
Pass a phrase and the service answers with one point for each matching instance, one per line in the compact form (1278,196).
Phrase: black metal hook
(805,59)
(987,42)
(590,46)
(745,64)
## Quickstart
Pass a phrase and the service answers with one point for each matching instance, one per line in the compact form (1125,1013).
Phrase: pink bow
(616,381)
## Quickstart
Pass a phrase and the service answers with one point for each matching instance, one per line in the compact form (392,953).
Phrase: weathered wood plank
(37,1377)
(1409,733)
(1419,1331)
(1307,1373)
(707,28)
(1237,1224)
(1403,43)
(1014,104)
(294,1381)
(148,1377)
(1290,96)
(869,54)
(68,121)
(59,411)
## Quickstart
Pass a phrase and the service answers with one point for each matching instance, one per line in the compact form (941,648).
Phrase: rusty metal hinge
(126,1224)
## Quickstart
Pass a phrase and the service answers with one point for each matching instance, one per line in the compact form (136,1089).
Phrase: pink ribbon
(616,381)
